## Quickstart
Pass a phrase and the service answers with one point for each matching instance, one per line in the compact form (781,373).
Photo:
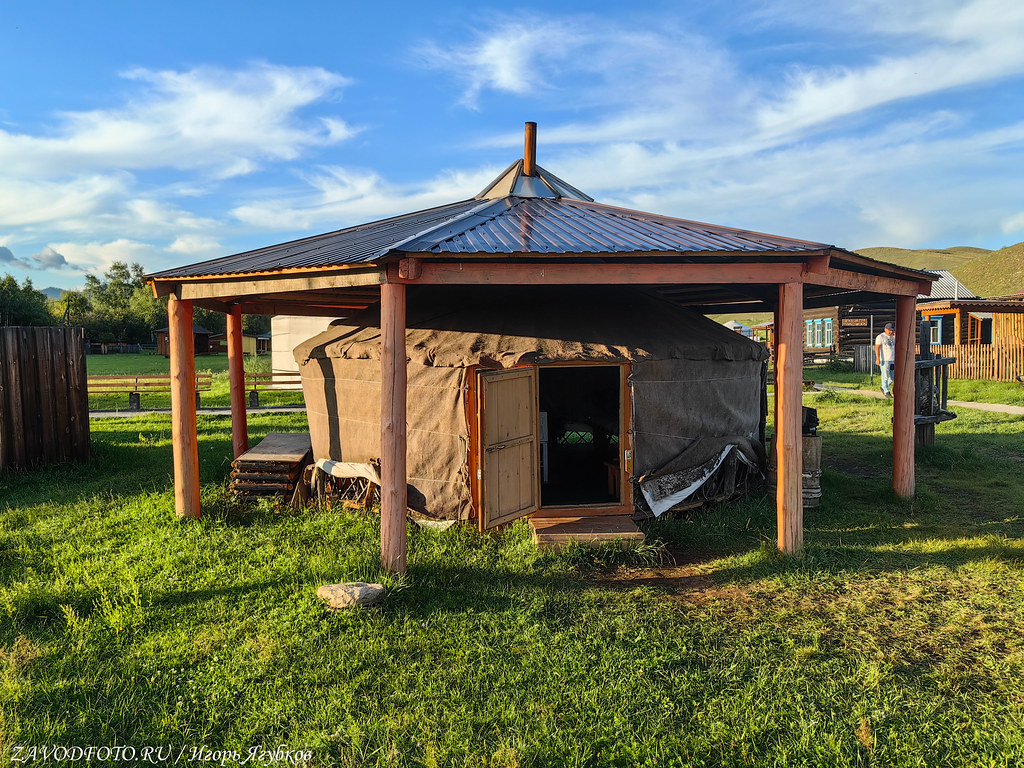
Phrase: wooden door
(508,401)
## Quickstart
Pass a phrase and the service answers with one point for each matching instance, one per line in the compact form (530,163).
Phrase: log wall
(44,407)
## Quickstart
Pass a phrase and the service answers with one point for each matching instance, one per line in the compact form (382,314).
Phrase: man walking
(885,357)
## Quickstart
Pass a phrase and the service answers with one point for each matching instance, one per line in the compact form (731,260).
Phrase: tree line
(117,307)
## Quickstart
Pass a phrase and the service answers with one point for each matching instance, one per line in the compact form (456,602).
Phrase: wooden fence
(993,362)
(44,407)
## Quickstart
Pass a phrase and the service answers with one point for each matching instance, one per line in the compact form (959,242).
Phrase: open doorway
(580,418)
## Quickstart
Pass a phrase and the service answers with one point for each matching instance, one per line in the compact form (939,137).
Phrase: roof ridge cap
(474,212)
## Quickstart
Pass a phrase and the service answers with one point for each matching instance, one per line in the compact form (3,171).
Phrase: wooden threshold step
(555,532)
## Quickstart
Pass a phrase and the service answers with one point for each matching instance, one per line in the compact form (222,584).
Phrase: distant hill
(53,293)
(996,273)
(924,258)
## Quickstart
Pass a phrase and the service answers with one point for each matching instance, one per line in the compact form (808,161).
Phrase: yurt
(542,398)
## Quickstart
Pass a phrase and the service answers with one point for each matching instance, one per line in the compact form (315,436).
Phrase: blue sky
(169,133)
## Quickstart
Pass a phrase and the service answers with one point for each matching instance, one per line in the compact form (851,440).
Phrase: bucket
(811,473)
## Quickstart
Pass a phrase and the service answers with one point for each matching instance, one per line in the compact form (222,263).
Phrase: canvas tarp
(691,378)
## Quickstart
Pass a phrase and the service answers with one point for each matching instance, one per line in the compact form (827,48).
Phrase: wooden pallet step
(263,487)
(245,477)
(554,532)
(279,447)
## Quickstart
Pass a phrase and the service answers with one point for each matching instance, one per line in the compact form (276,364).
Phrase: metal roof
(975,306)
(512,181)
(352,245)
(947,287)
(515,214)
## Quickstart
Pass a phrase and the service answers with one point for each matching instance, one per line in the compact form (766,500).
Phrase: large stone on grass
(351,595)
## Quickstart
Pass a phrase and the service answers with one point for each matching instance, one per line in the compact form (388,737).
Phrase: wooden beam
(393,384)
(789,440)
(491,273)
(859,281)
(304,310)
(410,269)
(818,265)
(316,281)
(185,445)
(236,376)
(213,305)
(903,400)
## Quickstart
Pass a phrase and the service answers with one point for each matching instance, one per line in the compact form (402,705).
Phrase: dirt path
(994,407)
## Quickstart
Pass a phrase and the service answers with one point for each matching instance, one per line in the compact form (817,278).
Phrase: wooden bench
(135,386)
(254,382)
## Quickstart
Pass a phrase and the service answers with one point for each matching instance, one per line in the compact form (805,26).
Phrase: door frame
(475,414)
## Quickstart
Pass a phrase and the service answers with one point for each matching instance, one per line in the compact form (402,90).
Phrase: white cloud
(7,258)
(34,202)
(338,197)
(223,121)
(1014,225)
(976,42)
(97,256)
(645,84)
(507,59)
(113,181)
(196,245)
(48,258)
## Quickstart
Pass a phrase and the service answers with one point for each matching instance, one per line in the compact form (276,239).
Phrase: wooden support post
(236,375)
(393,427)
(776,326)
(183,409)
(789,402)
(903,400)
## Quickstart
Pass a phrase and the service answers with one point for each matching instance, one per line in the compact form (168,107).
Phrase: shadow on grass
(133,455)
(970,494)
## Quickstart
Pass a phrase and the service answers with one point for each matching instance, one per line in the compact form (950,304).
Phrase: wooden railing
(992,362)
(254,382)
(135,386)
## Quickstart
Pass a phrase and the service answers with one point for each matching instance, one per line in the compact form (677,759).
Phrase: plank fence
(44,407)
(984,362)
(992,362)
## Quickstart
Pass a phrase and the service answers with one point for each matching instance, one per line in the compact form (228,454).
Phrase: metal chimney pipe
(530,150)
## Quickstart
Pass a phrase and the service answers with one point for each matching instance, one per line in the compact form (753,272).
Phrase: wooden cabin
(219,344)
(200,341)
(997,321)
(842,328)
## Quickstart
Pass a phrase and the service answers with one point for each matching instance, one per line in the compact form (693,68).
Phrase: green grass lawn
(1006,392)
(894,640)
(146,364)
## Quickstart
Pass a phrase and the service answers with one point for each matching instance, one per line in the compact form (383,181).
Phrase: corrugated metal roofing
(561,225)
(353,245)
(537,214)
(947,287)
(512,181)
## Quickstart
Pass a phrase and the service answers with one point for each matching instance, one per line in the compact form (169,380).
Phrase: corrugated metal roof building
(532,233)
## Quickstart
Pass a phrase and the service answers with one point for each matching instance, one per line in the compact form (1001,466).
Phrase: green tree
(122,305)
(22,304)
(73,305)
